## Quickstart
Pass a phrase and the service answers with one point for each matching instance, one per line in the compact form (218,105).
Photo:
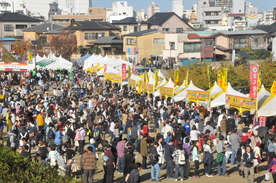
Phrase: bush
(16,168)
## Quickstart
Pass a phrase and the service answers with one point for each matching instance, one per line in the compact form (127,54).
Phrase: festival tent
(59,65)
(215,91)
(111,70)
(45,62)
(100,72)
(80,60)
(117,64)
(88,62)
(182,95)
(132,81)
(268,107)
(263,94)
(221,99)
(63,60)
(150,85)
(164,81)
(167,89)
(180,88)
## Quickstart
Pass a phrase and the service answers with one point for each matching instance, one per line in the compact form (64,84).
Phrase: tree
(16,168)
(64,44)
(21,48)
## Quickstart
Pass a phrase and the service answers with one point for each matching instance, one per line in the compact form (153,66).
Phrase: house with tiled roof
(130,24)
(89,31)
(169,22)
(11,24)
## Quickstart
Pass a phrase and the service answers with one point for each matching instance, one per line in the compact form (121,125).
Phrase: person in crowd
(109,165)
(120,152)
(194,133)
(208,157)
(160,150)
(89,163)
(129,162)
(154,161)
(221,160)
(134,174)
(169,159)
(272,168)
(196,159)
(235,141)
(248,157)
(144,151)
(179,161)
(239,158)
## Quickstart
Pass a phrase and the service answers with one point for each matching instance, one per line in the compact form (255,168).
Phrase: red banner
(133,69)
(123,72)
(262,121)
(254,70)
(105,67)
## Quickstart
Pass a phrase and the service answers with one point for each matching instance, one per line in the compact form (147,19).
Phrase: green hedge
(15,168)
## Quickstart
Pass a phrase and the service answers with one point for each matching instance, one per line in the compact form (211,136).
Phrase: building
(178,7)
(187,47)
(224,3)
(35,32)
(267,18)
(169,22)
(95,14)
(130,24)
(33,8)
(143,44)
(89,31)
(251,15)
(11,24)
(111,45)
(120,10)
(236,21)
(208,13)
(274,13)
(152,9)
(238,7)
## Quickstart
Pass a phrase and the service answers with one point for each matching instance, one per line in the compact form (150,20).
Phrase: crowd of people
(56,115)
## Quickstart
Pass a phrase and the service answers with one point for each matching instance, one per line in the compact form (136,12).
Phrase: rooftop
(144,32)
(129,20)
(17,17)
(91,25)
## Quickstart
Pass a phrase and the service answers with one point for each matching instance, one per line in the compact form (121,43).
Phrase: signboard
(105,67)
(131,82)
(133,69)
(176,76)
(116,78)
(30,55)
(13,66)
(254,70)
(262,121)
(166,91)
(240,103)
(222,79)
(93,68)
(123,72)
(273,88)
(150,88)
(197,96)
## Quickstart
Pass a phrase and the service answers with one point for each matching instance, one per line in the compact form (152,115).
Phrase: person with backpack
(208,157)
(221,160)
(134,174)
(22,135)
(154,162)
(69,131)
(53,156)
(50,134)
(109,161)
(58,138)
(179,160)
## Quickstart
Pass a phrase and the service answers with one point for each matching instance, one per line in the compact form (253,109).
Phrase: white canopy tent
(220,100)
(182,95)
(59,65)
(135,77)
(180,88)
(268,108)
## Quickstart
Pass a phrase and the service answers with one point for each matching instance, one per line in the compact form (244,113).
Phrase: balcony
(212,18)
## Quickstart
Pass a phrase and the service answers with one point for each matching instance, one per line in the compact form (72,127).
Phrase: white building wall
(178,7)
(120,10)
(238,6)
(274,48)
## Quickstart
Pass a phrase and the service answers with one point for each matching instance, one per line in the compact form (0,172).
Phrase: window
(158,40)
(20,26)
(91,36)
(166,29)
(8,27)
(130,41)
(191,47)
(179,30)
(135,29)
(125,28)
(207,43)
(239,42)
(172,45)
(204,3)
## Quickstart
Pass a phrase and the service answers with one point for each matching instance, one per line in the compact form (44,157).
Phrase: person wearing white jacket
(160,151)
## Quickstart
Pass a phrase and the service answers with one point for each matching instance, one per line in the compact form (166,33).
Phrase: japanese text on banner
(253,81)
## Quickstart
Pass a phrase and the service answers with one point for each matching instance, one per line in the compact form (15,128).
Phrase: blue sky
(166,4)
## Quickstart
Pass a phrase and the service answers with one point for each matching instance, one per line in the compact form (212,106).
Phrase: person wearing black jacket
(248,157)
(239,157)
(154,161)
(135,175)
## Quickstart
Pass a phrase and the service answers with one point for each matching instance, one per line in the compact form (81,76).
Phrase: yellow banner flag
(273,88)
(146,77)
(30,55)
(140,85)
(222,79)
(176,76)
(259,81)
(156,79)
(187,78)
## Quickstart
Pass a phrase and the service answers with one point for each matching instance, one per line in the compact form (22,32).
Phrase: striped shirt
(89,161)
(120,148)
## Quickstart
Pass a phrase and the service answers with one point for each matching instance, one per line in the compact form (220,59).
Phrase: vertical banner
(156,79)
(259,81)
(105,67)
(134,69)
(176,76)
(140,84)
(187,78)
(128,71)
(1,53)
(208,75)
(273,88)
(254,70)
(262,121)
(123,72)
(222,79)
